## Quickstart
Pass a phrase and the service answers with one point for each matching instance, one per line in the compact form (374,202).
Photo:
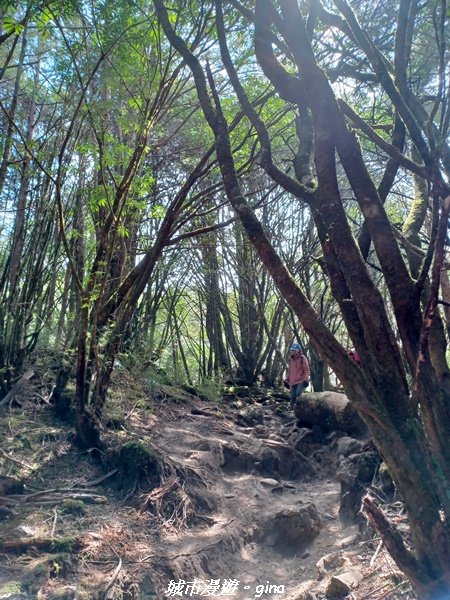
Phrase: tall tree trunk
(379,390)
(87,427)
(12,110)
(318,367)
(214,330)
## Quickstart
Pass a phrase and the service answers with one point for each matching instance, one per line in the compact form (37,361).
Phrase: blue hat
(295,347)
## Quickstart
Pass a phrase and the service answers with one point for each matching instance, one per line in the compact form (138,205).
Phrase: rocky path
(272,513)
(247,507)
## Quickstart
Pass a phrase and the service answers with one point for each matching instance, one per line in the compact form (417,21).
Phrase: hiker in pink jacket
(353,354)
(298,373)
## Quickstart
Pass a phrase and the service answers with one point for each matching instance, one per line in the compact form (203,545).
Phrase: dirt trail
(246,539)
(249,518)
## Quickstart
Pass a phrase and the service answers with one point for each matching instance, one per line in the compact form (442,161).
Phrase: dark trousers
(296,391)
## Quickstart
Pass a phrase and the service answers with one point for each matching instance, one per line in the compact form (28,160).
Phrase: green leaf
(123,231)
(135,102)
(158,212)
(12,26)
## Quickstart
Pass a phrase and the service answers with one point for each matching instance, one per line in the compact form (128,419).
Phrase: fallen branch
(55,518)
(379,589)
(100,479)
(49,544)
(376,553)
(16,387)
(88,498)
(66,490)
(393,540)
(56,496)
(113,579)
(174,556)
(43,398)
(15,461)
(392,590)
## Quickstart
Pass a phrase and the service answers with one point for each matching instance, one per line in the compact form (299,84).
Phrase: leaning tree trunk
(379,390)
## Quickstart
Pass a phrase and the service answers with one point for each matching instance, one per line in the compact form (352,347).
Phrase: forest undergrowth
(197,495)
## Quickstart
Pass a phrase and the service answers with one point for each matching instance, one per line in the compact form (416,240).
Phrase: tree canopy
(192,185)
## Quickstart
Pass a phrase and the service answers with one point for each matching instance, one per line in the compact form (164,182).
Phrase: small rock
(303,439)
(260,431)
(349,540)
(260,399)
(387,485)
(291,529)
(342,583)
(330,562)
(304,591)
(65,593)
(355,474)
(10,485)
(345,446)
(269,483)
(328,516)
(237,404)
(235,459)
(267,462)
(253,415)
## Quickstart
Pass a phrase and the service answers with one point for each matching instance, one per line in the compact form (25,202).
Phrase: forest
(189,187)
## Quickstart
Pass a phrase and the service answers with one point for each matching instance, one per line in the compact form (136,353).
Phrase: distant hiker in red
(298,373)
(353,354)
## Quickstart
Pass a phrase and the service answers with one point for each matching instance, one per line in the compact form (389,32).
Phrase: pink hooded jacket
(298,369)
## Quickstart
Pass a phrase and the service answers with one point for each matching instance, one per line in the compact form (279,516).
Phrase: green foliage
(42,15)
(122,231)
(10,588)
(158,211)
(12,26)
(156,376)
(210,388)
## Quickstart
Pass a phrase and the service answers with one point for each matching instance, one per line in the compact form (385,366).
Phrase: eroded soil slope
(244,508)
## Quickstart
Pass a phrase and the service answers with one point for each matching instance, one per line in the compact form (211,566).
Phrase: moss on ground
(137,463)
(73,507)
